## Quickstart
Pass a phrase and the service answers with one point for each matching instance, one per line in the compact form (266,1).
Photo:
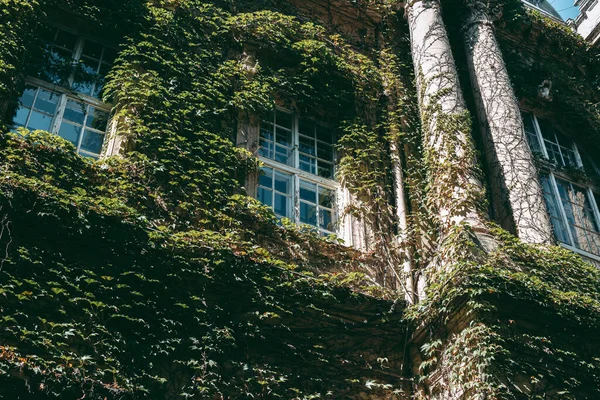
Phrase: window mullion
(577,155)
(559,146)
(75,57)
(561,208)
(32,108)
(60,110)
(296,198)
(538,132)
(592,199)
(85,117)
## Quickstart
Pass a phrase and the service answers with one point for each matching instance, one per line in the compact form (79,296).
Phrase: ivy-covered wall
(154,275)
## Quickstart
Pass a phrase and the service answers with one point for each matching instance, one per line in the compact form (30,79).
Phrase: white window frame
(298,174)
(553,174)
(70,94)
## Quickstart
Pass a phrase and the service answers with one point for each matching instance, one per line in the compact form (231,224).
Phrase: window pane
(46,101)
(266,131)
(266,177)
(28,96)
(308,214)
(283,137)
(66,39)
(324,134)
(325,170)
(531,134)
(92,49)
(283,155)
(558,223)
(547,129)
(74,112)
(308,191)
(325,220)
(21,117)
(325,197)
(581,218)
(307,145)
(307,127)
(284,119)
(39,121)
(109,56)
(265,196)
(324,151)
(266,149)
(97,119)
(92,141)
(69,132)
(283,182)
(283,205)
(308,164)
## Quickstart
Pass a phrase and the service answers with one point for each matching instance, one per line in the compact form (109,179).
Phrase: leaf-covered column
(511,161)
(455,192)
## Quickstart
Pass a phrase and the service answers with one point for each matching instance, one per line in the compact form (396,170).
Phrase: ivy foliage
(154,275)
(529,316)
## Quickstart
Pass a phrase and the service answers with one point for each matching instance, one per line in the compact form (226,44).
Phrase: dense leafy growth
(155,276)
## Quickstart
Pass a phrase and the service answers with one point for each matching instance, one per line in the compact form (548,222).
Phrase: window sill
(582,253)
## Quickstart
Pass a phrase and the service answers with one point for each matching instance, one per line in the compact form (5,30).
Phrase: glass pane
(325,170)
(266,131)
(558,223)
(308,214)
(284,119)
(39,121)
(21,117)
(92,49)
(59,67)
(324,134)
(104,69)
(266,149)
(69,132)
(74,112)
(282,205)
(283,137)
(283,155)
(265,196)
(530,132)
(66,39)
(269,117)
(307,145)
(283,182)
(46,101)
(109,56)
(324,151)
(97,119)
(92,141)
(547,129)
(28,96)
(308,164)
(325,197)
(266,177)
(308,191)
(325,220)
(307,127)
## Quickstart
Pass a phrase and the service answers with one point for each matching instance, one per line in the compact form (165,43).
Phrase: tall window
(573,206)
(64,97)
(297,180)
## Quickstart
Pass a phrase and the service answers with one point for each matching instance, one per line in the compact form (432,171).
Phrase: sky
(565,8)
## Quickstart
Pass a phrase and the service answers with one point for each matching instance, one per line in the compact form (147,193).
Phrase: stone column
(515,184)
(455,191)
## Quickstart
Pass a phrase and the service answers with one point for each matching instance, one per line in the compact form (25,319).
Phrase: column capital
(408,6)
(481,12)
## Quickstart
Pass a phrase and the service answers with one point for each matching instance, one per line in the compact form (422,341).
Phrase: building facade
(408,133)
